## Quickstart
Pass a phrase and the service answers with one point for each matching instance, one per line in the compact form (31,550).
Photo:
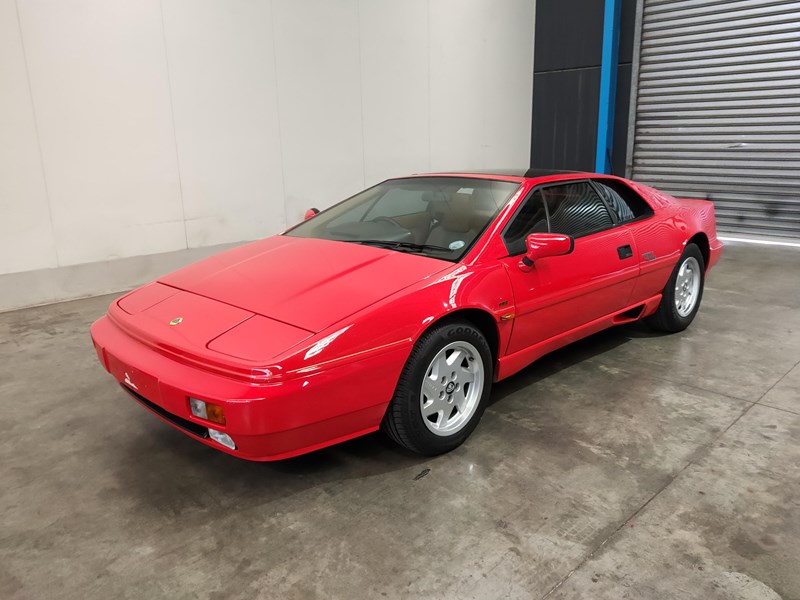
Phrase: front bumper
(268,421)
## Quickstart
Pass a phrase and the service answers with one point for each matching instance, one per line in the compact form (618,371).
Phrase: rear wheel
(441,394)
(682,295)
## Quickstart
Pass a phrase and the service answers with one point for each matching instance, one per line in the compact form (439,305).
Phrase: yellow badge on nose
(176,321)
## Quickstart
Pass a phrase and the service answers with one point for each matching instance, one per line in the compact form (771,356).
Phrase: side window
(576,209)
(531,218)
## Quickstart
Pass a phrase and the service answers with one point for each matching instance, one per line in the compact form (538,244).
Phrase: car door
(562,293)
(656,247)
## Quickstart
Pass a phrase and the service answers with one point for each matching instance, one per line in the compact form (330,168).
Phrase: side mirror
(311,212)
(542,245)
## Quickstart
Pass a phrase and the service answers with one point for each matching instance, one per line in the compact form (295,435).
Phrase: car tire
(681,298)
(442,390)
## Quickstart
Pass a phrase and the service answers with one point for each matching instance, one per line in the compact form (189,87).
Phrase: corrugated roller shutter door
(718,109)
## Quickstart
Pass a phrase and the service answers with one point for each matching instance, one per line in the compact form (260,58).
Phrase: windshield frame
(431,254)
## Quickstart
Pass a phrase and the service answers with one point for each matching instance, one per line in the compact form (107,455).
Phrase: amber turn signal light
(215,413)
(207,411)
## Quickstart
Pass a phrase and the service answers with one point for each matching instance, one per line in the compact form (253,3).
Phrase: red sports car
(399,307)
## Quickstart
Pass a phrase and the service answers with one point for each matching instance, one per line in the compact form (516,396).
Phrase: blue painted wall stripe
(608,86)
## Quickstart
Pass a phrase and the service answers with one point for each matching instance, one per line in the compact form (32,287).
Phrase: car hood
(307,283)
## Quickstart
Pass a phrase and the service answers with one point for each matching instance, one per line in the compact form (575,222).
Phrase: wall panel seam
(529,127)
(38,137)
(361,95)
(172,118)
(430,91)
(280,120)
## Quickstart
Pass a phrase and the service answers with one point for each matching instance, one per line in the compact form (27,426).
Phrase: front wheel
(681,298)
(441,394)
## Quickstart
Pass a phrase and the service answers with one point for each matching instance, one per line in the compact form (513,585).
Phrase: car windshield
(440,217)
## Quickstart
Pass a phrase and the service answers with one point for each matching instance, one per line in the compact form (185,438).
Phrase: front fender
(398,321)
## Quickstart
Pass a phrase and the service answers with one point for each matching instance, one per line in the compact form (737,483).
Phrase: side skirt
(513,363)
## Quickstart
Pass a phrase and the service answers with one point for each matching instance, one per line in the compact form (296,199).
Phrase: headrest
(456,214)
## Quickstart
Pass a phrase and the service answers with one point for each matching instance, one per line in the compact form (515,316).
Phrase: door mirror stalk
(543,245)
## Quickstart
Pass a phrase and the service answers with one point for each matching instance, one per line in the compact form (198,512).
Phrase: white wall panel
(26,236)
(222,78)
(457,41)
(99,80)
(396,95)
(151,126)
(508,85)
(319,99)
(481,83)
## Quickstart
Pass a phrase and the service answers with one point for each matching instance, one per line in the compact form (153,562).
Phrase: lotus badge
(176,321)
(129,381)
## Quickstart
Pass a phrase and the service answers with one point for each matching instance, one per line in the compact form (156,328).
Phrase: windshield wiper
(402,245)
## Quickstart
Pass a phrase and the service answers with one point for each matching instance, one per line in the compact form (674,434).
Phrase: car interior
(448,219)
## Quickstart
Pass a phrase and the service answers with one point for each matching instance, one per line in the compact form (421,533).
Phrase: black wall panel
(569,34)
(626,29)
(566,84)
(565,119)
(621,119)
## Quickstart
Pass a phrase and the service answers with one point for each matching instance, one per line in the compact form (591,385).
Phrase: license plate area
(142,383)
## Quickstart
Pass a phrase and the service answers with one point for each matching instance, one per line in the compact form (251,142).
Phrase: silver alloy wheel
(452,388)
(687,286)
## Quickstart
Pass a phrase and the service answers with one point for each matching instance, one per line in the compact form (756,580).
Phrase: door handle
(624,252)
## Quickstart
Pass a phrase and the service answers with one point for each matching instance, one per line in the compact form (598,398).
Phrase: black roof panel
(520,172)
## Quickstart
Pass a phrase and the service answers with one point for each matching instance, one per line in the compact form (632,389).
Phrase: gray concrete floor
(629,465)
